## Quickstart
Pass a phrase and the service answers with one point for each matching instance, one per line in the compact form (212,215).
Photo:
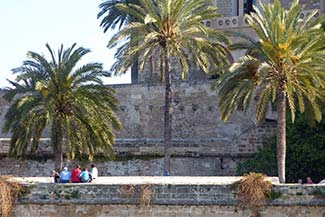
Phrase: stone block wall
(197,127)
(196,117)
(72,210)
(200,139)
(309,4)
(166,200)
(225,7)
(194,166)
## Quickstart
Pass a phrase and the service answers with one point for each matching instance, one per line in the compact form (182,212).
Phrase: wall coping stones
(153,180)
(210,147)
(182,190)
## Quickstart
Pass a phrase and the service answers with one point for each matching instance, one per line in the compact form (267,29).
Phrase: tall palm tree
(169,29)
(286,66)
(70,100)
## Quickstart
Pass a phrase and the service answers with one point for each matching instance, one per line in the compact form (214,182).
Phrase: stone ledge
(208,147)
(182,190)
(142,180)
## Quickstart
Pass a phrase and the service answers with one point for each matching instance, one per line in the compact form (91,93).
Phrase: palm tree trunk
(59,158)
(57,144)
(168,115)
(281,134)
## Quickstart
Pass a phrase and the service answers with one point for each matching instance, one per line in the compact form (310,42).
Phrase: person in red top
(75,174)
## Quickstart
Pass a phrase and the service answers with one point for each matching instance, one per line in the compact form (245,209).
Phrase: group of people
(310,181)
(76,176)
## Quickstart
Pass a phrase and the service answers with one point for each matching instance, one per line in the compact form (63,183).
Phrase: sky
(27,25)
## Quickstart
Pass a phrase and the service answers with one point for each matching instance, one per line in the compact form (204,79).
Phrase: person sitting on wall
(65,175)
(309,181)
(56,176)
(94,171)
(85,176)
(75,176)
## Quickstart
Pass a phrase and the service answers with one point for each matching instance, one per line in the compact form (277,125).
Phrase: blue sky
(27,25)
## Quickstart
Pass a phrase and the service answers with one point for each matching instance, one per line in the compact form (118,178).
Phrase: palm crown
(168,28)
(73,102)
(286,66)
(288,57)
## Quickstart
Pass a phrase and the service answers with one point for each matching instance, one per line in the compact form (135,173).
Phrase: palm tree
(168,29)
(286,66)
(71,101)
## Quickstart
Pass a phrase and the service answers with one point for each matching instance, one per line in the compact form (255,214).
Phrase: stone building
(232,19)
(202,143)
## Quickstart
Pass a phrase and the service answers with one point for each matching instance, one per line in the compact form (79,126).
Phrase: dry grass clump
(9,191)
(127,190)
(146,195)
(252,191)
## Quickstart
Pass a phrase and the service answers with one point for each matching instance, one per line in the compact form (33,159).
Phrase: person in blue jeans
(85,175)
(65,175)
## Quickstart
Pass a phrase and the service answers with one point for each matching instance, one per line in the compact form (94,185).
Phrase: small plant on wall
(9,191)
(252,191)
(146,195)
(127,190)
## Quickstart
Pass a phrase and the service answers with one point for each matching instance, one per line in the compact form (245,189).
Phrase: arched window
(248,6)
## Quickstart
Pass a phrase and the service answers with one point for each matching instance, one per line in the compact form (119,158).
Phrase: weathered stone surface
(173,199)
(196,121)
(202,143)
(308,4)
(50,210)
(196,118)
(195,166)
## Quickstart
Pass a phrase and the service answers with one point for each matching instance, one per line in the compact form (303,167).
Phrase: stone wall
(309,4)
(50,210)
(225,7)
(194,166)
(196,117)
(168,198)
(200,139)
(197,127)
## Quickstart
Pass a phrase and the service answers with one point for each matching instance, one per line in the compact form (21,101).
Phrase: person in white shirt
(94,171)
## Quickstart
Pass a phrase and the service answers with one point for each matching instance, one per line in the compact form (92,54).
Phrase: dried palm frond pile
(252,191)
(9,191)
(146,195)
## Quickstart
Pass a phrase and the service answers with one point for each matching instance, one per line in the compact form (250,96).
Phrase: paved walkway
(155,180)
